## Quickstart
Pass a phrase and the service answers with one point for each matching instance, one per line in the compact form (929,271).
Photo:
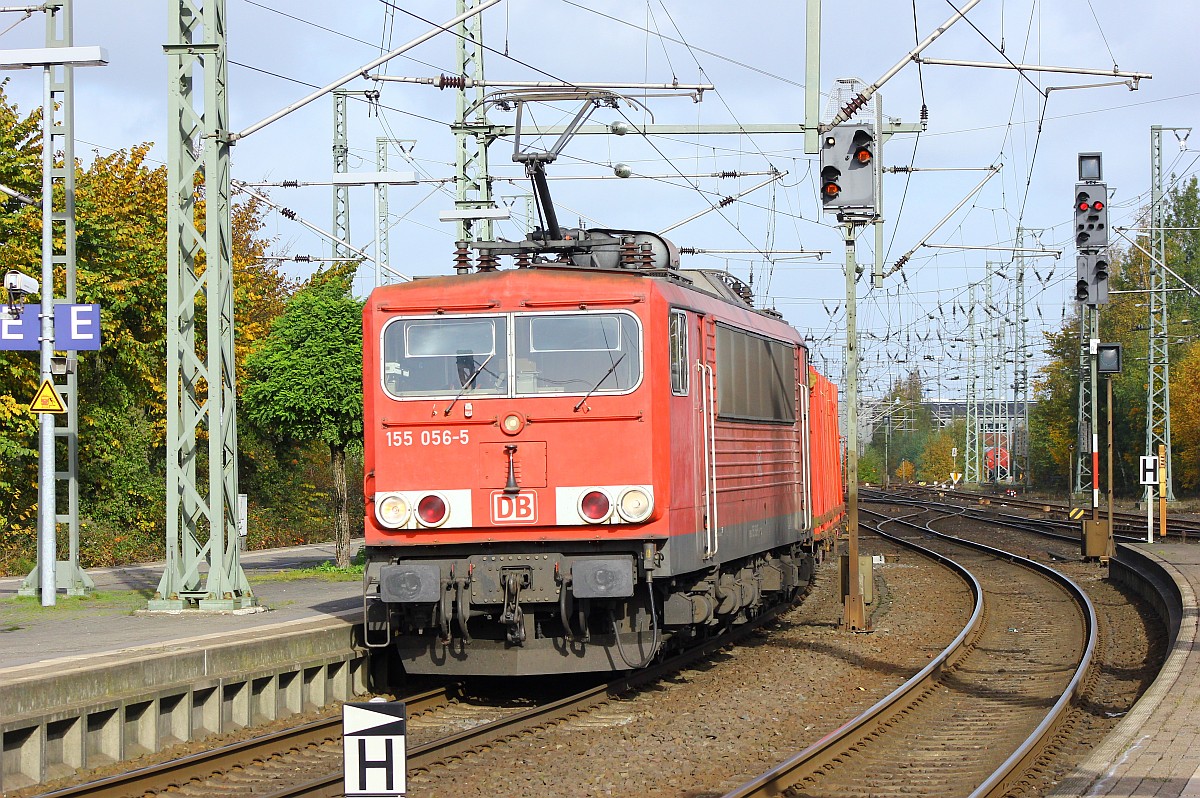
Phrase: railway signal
(1091,231)
(848,170)
(1091,216)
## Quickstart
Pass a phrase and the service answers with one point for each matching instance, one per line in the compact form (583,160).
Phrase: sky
(1030,124)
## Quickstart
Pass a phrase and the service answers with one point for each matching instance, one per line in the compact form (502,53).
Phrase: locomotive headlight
(392,510)
(635,505)
(512,423)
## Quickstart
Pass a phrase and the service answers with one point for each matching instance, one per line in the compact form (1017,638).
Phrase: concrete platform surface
(1155,749)
(114,620)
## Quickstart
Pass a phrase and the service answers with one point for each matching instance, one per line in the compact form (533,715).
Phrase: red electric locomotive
(578,463)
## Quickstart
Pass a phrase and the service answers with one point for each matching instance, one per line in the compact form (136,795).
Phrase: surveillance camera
(19,285)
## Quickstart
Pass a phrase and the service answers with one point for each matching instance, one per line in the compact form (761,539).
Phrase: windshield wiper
(467,383)
(591,390)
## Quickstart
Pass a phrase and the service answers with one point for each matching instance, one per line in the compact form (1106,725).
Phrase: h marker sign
(1148,466)
(373,749)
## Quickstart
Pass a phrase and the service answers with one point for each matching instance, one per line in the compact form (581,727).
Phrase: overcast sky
(754,54)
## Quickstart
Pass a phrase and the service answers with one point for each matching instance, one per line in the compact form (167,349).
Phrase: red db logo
(519,508)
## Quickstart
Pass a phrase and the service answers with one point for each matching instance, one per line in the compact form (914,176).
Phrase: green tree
(870,466)
(305,380)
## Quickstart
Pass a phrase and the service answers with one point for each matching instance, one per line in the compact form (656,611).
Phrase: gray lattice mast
(60,33)
(382,228)
(1089,324)
(341,192)
(1158,383)
(1021,370)
(471,130)
(971,474)
(200,370)
(991,357)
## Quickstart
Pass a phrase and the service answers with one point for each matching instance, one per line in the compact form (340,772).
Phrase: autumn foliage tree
(121,240)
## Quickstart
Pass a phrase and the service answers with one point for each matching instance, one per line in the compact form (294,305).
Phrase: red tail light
(595,506)
(432,510)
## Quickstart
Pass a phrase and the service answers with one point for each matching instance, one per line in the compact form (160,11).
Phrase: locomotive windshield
(551,353)
(440,356)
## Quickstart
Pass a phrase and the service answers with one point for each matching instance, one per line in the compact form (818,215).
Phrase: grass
(326,571)
(16,611)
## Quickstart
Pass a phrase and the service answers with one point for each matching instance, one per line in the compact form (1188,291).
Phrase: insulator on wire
(450,82)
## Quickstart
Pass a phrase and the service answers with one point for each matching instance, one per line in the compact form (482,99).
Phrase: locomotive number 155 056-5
(427,437)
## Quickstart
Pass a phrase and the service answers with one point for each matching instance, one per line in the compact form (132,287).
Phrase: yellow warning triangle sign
(47,400)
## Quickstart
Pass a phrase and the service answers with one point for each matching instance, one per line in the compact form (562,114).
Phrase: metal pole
(47,500)
(1149,515)
(1108,390)
(812,77)
(1092,341)
(1162,493)
(853,616)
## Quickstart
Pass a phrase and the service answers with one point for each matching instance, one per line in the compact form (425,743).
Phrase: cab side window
(679,353)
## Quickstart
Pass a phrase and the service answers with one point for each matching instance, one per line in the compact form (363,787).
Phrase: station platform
(1155,749)
(31,634)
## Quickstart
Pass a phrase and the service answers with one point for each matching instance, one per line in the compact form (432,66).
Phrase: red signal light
(1083,206)
(1097,205)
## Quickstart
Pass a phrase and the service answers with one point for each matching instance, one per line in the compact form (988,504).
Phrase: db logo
(520,508)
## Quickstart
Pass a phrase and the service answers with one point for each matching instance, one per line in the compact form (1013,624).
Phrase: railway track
(273,766)
(1131,525)
(1063,529)
(982,711)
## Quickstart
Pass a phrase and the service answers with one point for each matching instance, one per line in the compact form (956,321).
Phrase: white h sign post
(1148,468)
(373,749)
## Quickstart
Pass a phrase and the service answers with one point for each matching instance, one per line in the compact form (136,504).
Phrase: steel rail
(1133,523)
(786,774)
(793,770)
